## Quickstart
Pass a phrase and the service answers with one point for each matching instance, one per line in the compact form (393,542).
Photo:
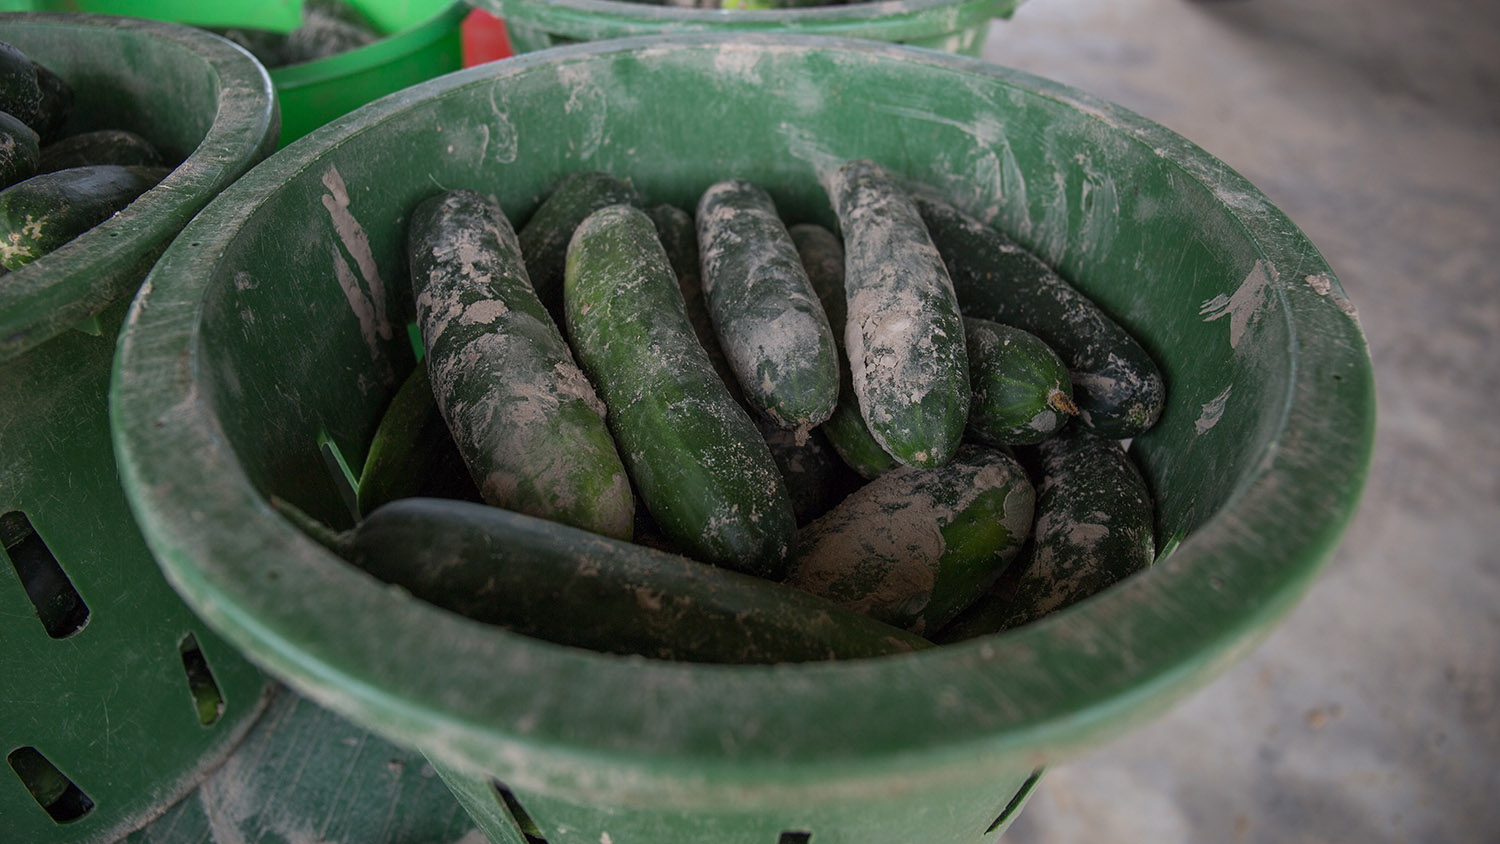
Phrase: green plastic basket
(423,42)
(116,698)
(957,26)
(275,327)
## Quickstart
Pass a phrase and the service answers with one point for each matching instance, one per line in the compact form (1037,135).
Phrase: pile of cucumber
(712,437)
(328,28)
(54,188)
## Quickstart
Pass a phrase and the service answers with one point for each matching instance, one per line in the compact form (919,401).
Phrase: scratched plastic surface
(303,774)
(957,26)
(284,330)
(118,705)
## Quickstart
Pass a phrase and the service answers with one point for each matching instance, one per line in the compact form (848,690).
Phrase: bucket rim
(104,264)
(585,725)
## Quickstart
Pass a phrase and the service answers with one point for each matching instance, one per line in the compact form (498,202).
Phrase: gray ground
(1373,713)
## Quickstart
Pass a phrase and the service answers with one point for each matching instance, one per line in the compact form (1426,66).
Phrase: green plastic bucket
(423,41)
(276,325)
(108,677)
(957,26)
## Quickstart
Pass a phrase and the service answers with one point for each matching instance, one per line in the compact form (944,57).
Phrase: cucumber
(697,460)
(20,95)
(524,417)
(765,313)
(679,237)
(1116,385)
(904,336)
(1093,528)
(19,151)
(823,257)
(553,582)
(105,146)
(913,547)
(46,211)
(814,475)
(545,237)
(1021,390)
(56,106)
(412,452)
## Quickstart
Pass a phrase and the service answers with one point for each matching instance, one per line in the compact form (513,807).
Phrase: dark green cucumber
(823,257)
(697,460)
(1022,394)
(46,211)
(524,417)
(20,153)
(20,95)
(814,475)
(913,547)
(557,583)
(904,336)
(56,106)
(106,146)
(1116,385)
(1093,528)
(545,237)
(412,452)
(765,313)
(679,237)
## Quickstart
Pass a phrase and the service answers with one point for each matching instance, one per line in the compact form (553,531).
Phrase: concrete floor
(1373,713)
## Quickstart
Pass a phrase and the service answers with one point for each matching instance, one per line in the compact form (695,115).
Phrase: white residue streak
(584,95)
(803,144)
(483,311)
(1323,285)
(504,138)
(1242,307)
(367,300)
(1213,411)
(738,62)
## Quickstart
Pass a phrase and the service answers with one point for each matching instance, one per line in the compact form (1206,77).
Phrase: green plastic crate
(283,330)
(115,697)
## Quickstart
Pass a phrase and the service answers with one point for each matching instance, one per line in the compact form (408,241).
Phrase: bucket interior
(296,302)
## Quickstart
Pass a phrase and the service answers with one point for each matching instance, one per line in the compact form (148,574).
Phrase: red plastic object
(484,38)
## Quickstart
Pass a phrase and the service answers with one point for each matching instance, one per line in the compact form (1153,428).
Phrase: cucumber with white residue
(45,212)
(823,257)
(679,237)
(812,470)
(767,317)
(904,336)
(914,547)
(544,238)
(1093,528)
(1116,385)
(1022,394)
(522,414)
(697,460)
